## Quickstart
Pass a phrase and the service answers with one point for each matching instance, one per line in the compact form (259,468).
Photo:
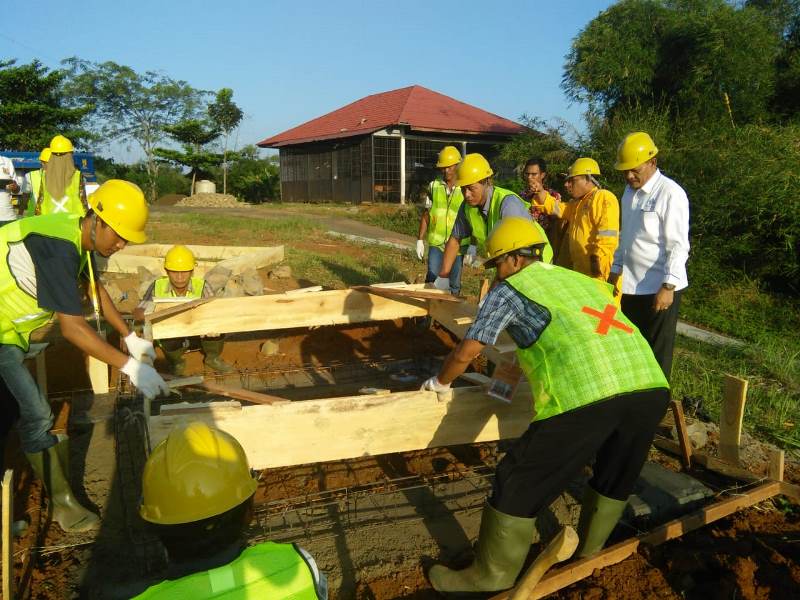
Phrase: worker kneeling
(197,491)
(597,392)
(180,282)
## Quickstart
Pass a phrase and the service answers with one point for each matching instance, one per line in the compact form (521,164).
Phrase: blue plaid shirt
(505,308)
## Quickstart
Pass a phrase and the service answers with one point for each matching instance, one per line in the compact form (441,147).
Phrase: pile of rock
(211,201)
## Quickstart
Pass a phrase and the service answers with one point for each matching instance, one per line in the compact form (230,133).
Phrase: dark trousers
(552,452)
(657,327)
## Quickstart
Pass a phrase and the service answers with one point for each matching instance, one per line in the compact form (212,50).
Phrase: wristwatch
(668,286)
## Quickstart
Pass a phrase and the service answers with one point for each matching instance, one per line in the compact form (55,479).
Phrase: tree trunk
(194,176)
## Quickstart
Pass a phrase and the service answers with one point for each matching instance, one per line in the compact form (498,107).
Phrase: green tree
(255,179)
(33,107)
(226,116)
(132,107)
(192,134)
(702,59)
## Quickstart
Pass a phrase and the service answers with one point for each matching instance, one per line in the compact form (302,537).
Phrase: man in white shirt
(653,246)
(8,186)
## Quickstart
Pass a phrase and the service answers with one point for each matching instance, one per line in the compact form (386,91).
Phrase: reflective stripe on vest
(163,288)
(481,228)
(589,351)
(268,570)
(20,313)
(70,203)
(442,214)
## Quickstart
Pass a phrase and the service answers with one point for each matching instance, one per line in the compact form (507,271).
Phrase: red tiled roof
(415,106)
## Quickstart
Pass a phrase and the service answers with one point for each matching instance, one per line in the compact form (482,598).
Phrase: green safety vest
(268,570)
(163,289)
(481,228)
(442,214)
(20,312)
(35,178)
(589,351)
(72,203)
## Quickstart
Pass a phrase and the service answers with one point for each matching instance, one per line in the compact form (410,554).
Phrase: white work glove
(145,378)
(471,257)
(138,348)
(420,249)
(442,283)
(433,385)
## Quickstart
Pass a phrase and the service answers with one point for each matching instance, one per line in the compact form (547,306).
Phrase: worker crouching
(197,492)
(180,282)
(597,392)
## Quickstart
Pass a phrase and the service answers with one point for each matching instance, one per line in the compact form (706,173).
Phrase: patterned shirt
(505,308)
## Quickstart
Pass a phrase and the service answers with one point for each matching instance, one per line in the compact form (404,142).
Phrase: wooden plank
(584,567)
(98,372)
(683,436)
(709,462)
(403,293)
(791,490)
(179,382)
(201,252)
(130,263)
(240,393)
(8,538)
(452,317)
(731,416)
(182,306)
(339,428)
(776,463)
(279,311)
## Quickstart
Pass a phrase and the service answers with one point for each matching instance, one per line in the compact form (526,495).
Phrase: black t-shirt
(57,266)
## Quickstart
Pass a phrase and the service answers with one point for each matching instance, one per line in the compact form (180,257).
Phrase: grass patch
(233,230)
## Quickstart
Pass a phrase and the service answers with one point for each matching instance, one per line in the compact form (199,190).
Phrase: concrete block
(662,494)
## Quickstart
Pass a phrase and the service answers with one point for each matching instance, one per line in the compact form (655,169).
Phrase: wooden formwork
(278,433)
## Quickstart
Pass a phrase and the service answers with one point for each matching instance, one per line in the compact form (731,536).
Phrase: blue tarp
(28,161)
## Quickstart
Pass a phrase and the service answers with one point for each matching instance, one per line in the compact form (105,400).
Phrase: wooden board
(584,567)
(239,393)
(130,263)
(98,372)
(167,310)
(428,294)
(281,311)
(339,428)
(210,253)
(457,319)
(8,538)
(731,416)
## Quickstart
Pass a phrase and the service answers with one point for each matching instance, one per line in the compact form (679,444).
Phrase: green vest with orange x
(589,351)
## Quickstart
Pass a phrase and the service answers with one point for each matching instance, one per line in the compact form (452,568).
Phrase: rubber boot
(67,511)
(212,350)
(599,516)
(177,363)
(503,544)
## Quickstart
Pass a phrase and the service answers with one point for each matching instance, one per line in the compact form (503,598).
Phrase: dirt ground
(373,524)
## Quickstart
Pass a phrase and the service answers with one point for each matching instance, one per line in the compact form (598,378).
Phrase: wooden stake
(731,416)
(683,435)
(776,460)
(559,549)
(8,538)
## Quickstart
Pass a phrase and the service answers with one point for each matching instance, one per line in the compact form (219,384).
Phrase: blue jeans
(435,257)
(35,417)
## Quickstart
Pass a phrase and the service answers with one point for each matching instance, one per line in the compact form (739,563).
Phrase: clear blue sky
(291,61)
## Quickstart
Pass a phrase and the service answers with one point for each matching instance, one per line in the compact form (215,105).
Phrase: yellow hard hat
(512,233)
(448,157)
(196,473)
(635,149)
(122,207)
(60,145)
(179,258)
(473,168)
(583,166)
(44,155)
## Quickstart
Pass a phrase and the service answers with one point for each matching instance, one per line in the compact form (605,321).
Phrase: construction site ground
(373,524)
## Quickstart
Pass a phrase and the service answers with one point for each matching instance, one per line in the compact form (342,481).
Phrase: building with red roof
(382,147)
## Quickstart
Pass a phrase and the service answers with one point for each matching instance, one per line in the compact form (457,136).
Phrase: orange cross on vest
(607,319)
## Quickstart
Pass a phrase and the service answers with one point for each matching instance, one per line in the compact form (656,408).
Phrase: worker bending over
(42,259)
(590,223)
(597,392)
(436,223)
(197,492)
(484,205)
(180,282)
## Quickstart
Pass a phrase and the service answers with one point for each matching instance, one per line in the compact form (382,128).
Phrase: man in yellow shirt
(590,223)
